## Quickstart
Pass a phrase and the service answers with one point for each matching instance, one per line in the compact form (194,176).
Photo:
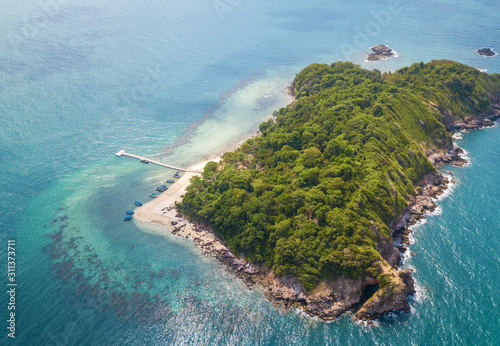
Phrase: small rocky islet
(488,52)
(380,52)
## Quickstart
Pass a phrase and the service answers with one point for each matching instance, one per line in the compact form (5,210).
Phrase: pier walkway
(124,153)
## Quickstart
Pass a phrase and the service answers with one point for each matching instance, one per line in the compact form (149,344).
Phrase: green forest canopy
(314,194)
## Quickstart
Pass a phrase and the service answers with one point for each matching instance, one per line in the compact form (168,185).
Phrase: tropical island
(309,208)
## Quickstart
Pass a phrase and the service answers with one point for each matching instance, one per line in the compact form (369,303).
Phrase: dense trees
(314,194)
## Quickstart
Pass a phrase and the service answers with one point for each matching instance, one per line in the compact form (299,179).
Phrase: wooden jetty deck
(124,153)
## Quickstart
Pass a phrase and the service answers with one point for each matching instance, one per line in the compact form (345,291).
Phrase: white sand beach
(161,212)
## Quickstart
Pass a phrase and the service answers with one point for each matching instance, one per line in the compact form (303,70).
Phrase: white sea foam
(312,319)
(447,192)
(492,126)
(435,212)
(418,224)
(465,155)
(420,292)
(457,136)
(411,239)
(391,316)
(368,324)
(405,257)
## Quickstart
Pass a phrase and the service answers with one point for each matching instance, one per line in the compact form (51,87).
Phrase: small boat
(162,188)
(127,218)
(170,181)
(144,161)
(139,204)
(130,212)
(154,195)
(177,175)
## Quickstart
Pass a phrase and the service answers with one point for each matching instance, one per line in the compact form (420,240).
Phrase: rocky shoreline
(433,185)
(361,296)
(427,191)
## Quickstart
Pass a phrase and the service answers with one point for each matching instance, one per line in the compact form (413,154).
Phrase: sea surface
(180,81)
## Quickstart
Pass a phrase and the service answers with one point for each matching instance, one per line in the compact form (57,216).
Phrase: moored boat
(170,181)
(162,188)
(176,175)
(144,161)
(130,212)
(154,195)
(127,218)
(139,204)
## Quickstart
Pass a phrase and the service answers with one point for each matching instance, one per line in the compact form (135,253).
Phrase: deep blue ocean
(181,81)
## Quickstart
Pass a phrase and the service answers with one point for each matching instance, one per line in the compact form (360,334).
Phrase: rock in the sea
(392,297)
(380,52)
(486,51)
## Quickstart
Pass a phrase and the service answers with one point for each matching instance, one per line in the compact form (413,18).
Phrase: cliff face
(368,297)
(328,301)
(471,121)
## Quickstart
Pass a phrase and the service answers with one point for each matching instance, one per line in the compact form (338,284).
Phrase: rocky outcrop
(472,122)
(380,52)
(391,297)
(431,186)
(331,298)
(486,52)
(451,156)
(389,252)
(292,90)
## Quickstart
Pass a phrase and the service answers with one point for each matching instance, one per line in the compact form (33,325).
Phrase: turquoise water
(177,82)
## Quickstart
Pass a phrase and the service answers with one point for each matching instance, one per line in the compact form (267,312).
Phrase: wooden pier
(124,153)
